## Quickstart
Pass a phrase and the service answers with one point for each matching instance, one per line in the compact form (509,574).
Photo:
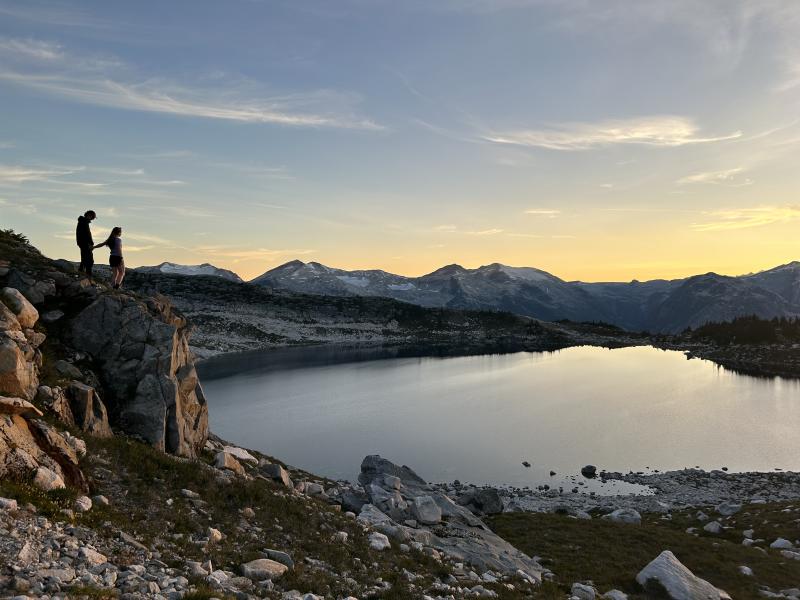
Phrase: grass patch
(611,554)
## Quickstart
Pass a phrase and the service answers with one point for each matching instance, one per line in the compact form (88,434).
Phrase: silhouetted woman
(114,243)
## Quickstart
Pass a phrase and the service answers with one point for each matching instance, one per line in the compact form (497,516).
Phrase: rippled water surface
(477,418)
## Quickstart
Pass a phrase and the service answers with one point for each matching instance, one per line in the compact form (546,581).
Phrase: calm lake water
(477,418)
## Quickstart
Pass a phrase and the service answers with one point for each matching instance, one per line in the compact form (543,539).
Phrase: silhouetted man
(83,236)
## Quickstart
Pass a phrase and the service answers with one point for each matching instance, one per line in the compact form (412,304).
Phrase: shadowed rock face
(148,372)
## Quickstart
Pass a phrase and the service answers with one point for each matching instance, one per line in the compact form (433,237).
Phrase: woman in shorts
(114,243)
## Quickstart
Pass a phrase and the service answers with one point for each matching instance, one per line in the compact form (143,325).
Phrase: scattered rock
(726,509)
(781,544)
(624,515)
(713,527)
(240,454)
(589,471)
(378,541)
(582,591)
(278,473)
(224,460)
(83,504)
(262,569)
(47,480)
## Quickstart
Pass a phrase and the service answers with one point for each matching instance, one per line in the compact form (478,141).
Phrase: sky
(600,141)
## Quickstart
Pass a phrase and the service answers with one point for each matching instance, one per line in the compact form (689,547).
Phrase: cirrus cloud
(656,131)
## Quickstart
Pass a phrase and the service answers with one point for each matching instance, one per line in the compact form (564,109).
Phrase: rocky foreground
(111,485)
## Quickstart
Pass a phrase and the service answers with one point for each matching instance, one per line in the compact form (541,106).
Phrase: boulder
(425,510)
(263,569)
(17,406)
(47,480)
(589,471)
(280,557)
(88,411)
(713,527)
(83,504)
(18,376)
(624,515)
(781,544)
(147,371)
(726,509)
(378,541)
(18,304)
(278,473)
(583,591)
(374,467)
(34,290)
(484,501)
(223,460)
(667,573)
(241,454)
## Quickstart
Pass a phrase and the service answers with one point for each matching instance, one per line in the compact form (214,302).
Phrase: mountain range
(660,305)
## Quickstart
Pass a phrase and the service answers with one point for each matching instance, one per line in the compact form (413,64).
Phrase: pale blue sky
(597,140)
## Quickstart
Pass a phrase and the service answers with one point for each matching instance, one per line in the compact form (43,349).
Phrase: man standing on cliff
(83,237)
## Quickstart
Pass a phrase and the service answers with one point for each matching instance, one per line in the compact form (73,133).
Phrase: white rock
(583,591)
(726,509)
(314,489)
(615,595)
(263,568)
(624,515)
(679,582)
(781,544)
(340,537)
(713,527)
(748,533)
(240,453)
(214,535)
(378,541)
(47,480)
(745,570)
(790,554)
(83,504)
(93,557)
(8,504)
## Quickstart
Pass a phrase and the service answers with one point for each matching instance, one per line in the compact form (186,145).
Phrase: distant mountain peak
(453,269)
(171,268)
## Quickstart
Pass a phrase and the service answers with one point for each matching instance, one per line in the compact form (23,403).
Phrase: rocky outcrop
(405,508)
(19,343)
(150,382)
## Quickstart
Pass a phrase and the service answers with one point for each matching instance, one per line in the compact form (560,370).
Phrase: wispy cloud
(657,131)
(18,174)
(727,177)
(482,232)
(237,255)
(543,212)
(102,81)
(34,49)
(743,218)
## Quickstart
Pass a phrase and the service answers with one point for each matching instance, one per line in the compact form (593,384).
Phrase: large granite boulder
(151,385)
(666,574)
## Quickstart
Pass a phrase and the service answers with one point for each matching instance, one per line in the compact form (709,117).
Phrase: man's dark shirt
(83,235)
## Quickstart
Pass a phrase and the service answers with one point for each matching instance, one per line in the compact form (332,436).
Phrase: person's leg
(117,276)
(121,272)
